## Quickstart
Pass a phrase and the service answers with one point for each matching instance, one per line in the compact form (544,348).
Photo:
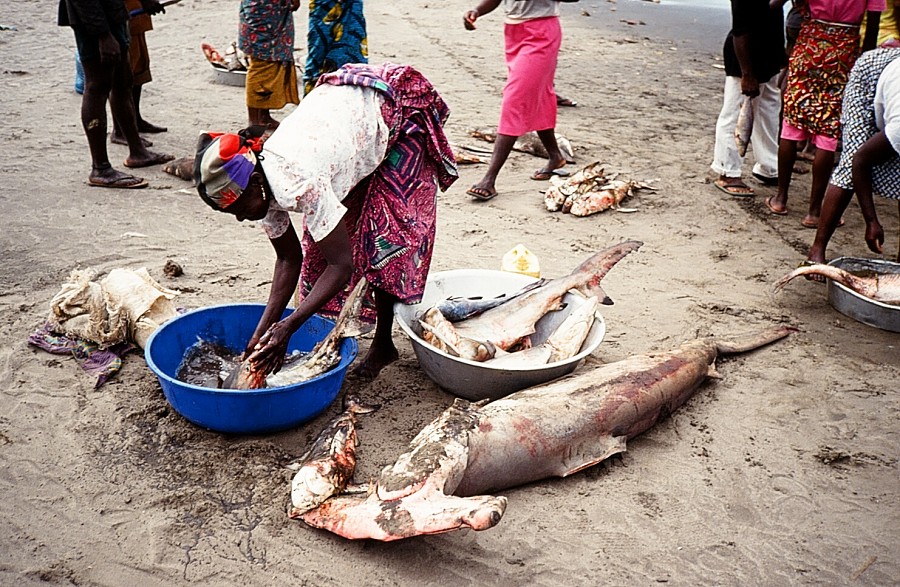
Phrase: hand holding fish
(749,85)
(268,354)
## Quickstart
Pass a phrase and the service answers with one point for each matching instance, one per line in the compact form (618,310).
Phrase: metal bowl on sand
(473,380)
(857,306)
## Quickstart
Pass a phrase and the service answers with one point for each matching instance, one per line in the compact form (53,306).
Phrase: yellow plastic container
(521,260)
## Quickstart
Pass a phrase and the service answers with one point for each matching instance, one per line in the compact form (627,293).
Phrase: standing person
(139,58)
(361,158)
(754,57)
(336,36)
(532,37)
(101,35)
(870,110)
(826,48)
(266,35)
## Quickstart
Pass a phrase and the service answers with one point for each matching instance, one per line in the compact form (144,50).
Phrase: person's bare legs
(261,117)
(143,125)
(787,156)
(122,107)
(382,351)
(502,147)
(116,135)
(98,81)
(556,159)
(833,206)
(821,173)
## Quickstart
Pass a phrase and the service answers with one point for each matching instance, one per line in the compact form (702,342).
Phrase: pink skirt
(529,100)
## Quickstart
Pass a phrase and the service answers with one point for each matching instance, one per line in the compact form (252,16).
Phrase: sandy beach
(783,472)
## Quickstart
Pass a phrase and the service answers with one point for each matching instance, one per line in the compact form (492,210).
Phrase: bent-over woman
(361,159)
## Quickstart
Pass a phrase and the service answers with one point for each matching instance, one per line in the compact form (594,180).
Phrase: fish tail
(353,405)
(742,344)
(598,266)
(829,271)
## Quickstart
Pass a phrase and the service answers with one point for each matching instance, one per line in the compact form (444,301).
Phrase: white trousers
(763,139)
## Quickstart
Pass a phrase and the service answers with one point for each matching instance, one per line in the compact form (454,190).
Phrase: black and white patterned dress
(858,124)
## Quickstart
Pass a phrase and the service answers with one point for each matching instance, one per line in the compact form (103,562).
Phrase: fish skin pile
(589,191)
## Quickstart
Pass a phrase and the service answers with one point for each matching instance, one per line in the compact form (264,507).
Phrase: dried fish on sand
(589,191)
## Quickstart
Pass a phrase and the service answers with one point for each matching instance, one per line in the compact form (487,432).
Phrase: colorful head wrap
(223,165)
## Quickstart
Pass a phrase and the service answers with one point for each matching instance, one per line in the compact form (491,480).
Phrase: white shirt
(328,144)
(887,103)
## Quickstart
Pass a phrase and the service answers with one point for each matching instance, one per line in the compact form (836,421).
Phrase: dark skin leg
(261,117)
(556,161)
(502,148)
(382,351)
(143,126)
(787,156)
(833,207)
(98,82)
(821,172)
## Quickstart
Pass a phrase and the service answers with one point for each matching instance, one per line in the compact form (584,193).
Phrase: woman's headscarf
(223,165)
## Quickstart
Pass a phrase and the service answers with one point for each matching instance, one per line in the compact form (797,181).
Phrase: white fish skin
(564,343)
(744,127)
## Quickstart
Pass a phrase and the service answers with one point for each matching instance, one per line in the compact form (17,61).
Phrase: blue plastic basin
(256,411)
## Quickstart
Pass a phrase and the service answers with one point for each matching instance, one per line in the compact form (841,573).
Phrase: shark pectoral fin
(603,447)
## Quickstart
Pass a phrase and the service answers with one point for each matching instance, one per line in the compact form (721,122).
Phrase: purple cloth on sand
(104,363)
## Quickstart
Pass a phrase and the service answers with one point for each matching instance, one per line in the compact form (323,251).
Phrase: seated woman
(361,158)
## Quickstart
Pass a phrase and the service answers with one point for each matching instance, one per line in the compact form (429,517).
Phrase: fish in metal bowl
(483,334)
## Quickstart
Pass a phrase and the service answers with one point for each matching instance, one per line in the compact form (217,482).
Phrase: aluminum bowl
(472,380)
(252,411)
(857,306)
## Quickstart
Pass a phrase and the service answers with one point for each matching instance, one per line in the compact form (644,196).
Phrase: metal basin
(472,380)
(857,306)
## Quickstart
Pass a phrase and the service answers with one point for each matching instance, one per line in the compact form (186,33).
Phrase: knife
(137,11)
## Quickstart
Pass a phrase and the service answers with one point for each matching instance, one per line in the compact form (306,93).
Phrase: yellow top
(887,25)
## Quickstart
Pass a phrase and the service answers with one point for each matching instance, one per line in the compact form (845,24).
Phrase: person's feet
(734,186)
(148,159)
(378,357)
(777,205)
(551,168)
(144,126)
(117,139)
(108,177)
(483,190)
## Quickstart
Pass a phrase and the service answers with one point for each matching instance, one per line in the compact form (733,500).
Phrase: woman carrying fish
(818,68)
(266,35)
(532,38)
(365,182)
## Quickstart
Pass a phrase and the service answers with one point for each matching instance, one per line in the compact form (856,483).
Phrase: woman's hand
(269,352)
(874,236)
(469,19)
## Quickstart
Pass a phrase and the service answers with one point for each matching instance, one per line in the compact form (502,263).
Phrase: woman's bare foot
(378,357)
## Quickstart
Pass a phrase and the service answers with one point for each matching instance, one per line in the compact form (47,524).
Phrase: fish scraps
(590,191)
